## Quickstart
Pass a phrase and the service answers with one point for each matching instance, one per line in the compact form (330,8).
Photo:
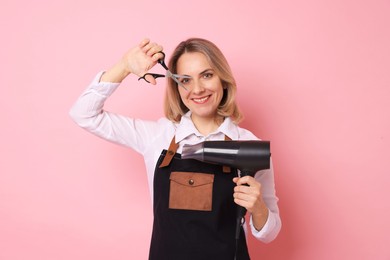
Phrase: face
(204,89)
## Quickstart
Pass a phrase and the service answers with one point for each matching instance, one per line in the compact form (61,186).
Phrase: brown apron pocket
(191,191)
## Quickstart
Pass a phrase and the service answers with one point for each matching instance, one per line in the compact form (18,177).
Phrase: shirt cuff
(102,88)
(267,228)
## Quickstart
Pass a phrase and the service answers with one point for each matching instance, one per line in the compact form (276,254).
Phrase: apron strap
(172,151)
(226,169)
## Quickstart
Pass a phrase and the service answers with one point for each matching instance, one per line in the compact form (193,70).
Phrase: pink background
(313,78)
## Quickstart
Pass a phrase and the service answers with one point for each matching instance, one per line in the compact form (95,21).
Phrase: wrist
(260,216)
(116,74)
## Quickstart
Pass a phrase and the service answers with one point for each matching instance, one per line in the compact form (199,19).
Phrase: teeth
(200,100)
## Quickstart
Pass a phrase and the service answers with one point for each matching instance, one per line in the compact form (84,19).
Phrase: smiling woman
(195,203)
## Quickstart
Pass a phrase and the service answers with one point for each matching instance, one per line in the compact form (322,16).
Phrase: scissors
(168,73)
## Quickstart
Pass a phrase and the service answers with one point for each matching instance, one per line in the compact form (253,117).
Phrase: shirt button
(191,182)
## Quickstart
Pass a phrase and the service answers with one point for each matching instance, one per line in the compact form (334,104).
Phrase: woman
(202,107)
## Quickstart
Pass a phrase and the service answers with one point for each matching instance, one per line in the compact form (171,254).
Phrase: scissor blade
(174,77)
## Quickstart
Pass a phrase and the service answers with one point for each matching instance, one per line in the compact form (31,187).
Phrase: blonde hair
(174,107)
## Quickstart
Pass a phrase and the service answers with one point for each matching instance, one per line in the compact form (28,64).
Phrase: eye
(207,75)
(185,80)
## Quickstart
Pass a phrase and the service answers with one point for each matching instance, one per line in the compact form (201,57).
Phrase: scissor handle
(154,75)
(162,60)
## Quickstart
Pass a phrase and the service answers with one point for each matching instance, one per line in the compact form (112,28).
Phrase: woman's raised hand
(138,60)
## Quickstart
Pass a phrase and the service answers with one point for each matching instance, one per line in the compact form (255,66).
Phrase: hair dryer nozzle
(193,151)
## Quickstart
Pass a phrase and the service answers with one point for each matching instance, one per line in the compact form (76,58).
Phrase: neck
(206,126)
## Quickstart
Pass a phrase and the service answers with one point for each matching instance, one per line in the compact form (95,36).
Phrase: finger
(249,180)
(249,198)
(151,79)
(148,47)
(243,200)
(154,49)
(157,56)
(239,202)
(242,189)
(144,42)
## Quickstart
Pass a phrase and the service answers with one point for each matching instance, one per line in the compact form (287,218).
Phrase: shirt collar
(186,128)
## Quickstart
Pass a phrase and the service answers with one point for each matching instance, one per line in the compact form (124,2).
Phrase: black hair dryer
(247,156)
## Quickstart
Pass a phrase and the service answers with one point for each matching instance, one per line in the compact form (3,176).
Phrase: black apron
(194,211)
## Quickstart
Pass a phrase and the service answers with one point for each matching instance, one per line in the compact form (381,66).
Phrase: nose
(197,87)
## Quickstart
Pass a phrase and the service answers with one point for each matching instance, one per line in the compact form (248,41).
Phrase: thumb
(150,79)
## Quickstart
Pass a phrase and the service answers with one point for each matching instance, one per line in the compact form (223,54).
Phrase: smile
(201,100)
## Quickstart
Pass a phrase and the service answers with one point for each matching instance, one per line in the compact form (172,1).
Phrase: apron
(194,211)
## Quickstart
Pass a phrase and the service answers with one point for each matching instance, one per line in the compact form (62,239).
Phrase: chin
(205,114)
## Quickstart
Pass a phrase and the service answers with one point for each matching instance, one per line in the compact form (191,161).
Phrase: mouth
(201,100)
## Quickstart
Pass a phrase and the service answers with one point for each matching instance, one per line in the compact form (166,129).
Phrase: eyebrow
(201,73)
(206,70)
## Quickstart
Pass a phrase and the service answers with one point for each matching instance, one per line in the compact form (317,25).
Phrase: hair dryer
(247,156)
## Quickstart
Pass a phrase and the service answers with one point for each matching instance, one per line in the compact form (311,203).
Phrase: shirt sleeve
(273,224)
(89,114)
